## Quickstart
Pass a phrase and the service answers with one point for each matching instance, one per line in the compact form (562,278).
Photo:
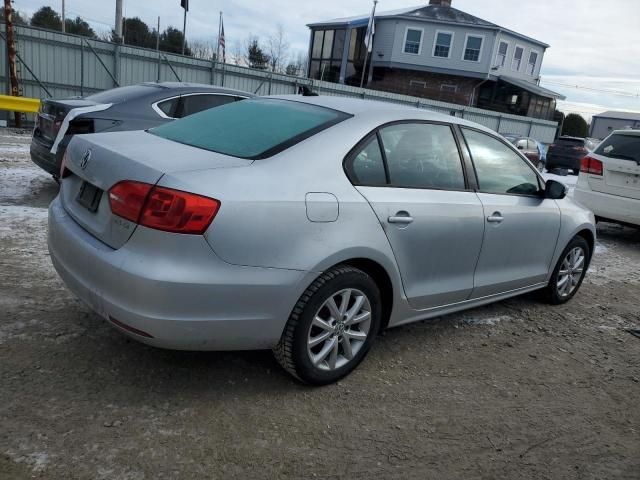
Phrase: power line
(592,89)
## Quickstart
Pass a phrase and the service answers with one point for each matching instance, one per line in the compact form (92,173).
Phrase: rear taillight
(163,208)
(126,199)
(64,171)
(591,166)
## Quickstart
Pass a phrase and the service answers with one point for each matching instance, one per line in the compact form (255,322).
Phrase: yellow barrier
(19,104)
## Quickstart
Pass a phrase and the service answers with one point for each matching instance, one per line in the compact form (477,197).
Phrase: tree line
(271,54)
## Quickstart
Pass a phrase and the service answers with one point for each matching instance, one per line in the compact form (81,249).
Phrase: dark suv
(568,152)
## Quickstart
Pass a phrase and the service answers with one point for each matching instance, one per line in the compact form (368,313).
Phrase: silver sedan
(306,225)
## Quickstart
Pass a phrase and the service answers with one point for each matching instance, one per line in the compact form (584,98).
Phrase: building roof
(620,115)
(532,87)
(428,13)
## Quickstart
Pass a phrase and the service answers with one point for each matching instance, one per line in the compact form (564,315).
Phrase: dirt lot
(517,390)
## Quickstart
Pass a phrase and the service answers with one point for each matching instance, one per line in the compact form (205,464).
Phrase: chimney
(440,3)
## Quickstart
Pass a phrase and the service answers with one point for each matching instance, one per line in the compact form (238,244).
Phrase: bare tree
(278,49)
(202,49)
(237,54)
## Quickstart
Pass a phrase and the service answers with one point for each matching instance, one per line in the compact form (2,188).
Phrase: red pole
(11,55)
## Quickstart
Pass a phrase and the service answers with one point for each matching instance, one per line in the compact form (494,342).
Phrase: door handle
(495,218)
(401,218)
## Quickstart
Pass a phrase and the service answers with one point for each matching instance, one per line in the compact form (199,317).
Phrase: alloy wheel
(571,272)
(339,329)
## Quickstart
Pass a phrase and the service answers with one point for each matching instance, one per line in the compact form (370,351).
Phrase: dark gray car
(135,107)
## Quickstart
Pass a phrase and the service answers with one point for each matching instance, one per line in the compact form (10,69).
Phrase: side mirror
(555,190)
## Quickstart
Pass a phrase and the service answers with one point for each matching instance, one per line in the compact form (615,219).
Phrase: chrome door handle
(495,218)
(400,219)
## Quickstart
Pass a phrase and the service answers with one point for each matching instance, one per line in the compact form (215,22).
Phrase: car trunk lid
(51,116)
(95,163)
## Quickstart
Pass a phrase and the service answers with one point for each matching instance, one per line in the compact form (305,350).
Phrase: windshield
(624,147)
(252,129)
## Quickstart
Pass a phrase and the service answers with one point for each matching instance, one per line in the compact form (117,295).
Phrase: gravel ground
(516,390)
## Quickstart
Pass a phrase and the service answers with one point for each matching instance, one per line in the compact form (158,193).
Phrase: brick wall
(434,86)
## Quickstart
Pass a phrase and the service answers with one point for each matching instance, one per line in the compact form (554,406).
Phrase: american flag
(221,42)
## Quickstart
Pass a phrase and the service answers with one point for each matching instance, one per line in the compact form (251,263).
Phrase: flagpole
(366,54)
(219,32)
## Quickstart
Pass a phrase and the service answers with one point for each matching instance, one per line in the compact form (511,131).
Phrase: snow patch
(491,320)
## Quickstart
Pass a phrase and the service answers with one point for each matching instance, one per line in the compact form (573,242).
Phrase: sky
(594,59)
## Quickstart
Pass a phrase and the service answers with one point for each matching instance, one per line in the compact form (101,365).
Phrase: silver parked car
(307,225)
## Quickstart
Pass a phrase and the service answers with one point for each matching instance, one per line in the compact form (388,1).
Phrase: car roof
(634,133)
(364,108)
(188,86)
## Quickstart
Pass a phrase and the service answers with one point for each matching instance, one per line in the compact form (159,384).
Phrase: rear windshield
(571,142)
(122,94)
(624,147)
(251,129)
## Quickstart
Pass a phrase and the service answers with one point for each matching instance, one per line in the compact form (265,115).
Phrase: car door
(522,226)
(413,176)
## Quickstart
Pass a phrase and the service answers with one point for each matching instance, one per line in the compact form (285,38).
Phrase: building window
(517,59)
(473,48)
(533,60)
(501,57)
(413,41)
(417,83)
(442,46)
(449,88)
(326,55)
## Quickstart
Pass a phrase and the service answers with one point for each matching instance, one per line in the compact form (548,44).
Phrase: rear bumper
(41,155)
(610,207)
(174,288)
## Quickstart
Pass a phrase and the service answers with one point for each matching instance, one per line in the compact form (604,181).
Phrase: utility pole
(11,56)
(118,29)
(185,5)
(158,48)
(64,26)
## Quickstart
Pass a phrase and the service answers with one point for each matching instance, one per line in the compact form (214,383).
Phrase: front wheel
(569,272)
(332,326)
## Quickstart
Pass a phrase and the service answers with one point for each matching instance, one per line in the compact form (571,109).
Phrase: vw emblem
(85,159)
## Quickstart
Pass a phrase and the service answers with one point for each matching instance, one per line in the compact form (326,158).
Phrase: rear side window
(623,147)
(499,169)
(169,107)
(422,155)
(197,103)
(367,166)
(252,129)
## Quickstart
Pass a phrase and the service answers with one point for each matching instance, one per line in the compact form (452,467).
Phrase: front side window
(517,59)
(367,167)
(501,58)
(473,48)
(412,41)
(499,169)
(533,60)
(422,155)
(252,129)
(442,47)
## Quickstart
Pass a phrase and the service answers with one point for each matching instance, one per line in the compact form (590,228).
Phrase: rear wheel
(569,272)
(332,326)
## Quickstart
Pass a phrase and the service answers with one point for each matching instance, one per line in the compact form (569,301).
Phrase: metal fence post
(82,69)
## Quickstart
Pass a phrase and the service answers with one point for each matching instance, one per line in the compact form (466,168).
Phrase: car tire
(319,349)
(569,272)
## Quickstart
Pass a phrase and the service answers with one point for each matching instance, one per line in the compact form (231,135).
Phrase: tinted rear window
(122,94)
(624,147)
(570,142)
(251,129)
